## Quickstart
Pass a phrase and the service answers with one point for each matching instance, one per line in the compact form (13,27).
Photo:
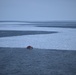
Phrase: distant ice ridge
(64,40)
(13,23)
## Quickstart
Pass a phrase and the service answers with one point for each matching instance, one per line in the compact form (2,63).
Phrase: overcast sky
(38,10)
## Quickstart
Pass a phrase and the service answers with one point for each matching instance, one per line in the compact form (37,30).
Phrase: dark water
(55,24)
(7,33)
(21,61)
(62,24)
(58,24)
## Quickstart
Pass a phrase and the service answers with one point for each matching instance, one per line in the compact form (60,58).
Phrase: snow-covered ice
(65,39)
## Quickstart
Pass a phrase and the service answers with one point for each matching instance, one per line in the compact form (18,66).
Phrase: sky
(38,10)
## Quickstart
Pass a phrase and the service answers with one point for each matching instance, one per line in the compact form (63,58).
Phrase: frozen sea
(53,53)
(39,36)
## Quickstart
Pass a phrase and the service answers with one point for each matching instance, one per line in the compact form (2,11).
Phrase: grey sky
(37,10)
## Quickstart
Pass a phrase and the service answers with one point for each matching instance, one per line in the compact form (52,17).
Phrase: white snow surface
(65,39)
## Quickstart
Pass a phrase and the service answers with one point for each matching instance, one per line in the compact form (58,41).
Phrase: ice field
(64,39)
